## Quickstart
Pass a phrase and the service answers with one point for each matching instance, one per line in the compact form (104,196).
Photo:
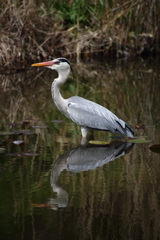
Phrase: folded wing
(92,115)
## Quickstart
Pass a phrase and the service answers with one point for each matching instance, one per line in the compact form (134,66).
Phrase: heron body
(89,115)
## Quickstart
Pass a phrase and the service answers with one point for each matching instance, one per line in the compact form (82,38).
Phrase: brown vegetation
(33,31)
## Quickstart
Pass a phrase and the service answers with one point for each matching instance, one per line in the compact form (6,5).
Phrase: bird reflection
(83,159)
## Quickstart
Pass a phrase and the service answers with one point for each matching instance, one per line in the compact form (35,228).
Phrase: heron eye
(57,62)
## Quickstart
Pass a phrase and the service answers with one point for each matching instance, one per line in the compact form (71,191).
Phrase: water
(50,186)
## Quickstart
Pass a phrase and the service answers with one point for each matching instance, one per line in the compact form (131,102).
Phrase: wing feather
(92,115)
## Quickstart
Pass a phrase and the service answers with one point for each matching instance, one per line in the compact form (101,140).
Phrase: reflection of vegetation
(116,200)
(123,91)
(120,199)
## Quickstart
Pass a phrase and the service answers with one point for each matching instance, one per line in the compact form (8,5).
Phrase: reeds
(27,32)
(33,31)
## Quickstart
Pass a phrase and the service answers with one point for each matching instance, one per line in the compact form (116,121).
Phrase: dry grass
(27,34)
(32,32)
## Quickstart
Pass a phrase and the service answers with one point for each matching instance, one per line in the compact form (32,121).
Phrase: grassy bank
(38,30)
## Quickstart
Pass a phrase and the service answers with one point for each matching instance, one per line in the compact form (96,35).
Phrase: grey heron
(89,115)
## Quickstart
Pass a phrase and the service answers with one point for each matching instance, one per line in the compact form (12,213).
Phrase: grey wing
(92,115)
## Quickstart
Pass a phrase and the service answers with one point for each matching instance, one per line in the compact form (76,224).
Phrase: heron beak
(43,64)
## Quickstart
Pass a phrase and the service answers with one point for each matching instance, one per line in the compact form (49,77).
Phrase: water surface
(53,188)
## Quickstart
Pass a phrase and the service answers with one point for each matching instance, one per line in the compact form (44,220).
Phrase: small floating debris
(40,126)
(18,142)
(41,205)
(57,121)
(141,126)
(30,154)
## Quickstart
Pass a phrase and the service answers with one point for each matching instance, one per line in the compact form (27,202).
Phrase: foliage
(85,12)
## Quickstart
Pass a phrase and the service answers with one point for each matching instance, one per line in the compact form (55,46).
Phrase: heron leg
(84,131)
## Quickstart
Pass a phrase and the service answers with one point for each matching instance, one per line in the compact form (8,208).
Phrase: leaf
(6,133)
(30,120)
(23,132)
(29,133)
(13,154)
(132,34)
(30,154)
(155,148)
(99,142)
(40,126)
(41,205)
(12,124)
(57,121)
(139,140)
(2,150)
(22,154)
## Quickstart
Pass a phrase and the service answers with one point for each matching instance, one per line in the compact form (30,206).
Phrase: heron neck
(62,77)
(59,101)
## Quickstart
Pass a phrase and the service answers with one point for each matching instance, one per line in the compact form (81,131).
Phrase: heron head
(58,64)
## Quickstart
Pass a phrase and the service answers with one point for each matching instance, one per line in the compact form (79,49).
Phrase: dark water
(50,186)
